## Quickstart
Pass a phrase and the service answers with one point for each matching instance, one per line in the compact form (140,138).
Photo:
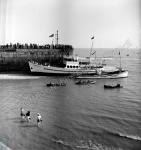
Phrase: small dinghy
(113,86)
(80,82)
(56,84)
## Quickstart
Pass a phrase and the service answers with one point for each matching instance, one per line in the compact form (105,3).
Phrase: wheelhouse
(72,65)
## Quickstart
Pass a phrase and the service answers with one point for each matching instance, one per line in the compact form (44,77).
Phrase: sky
(111,22)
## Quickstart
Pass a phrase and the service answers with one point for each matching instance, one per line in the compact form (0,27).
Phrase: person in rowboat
(39,119)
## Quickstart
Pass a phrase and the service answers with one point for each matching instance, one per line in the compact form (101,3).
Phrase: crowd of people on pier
(35,46)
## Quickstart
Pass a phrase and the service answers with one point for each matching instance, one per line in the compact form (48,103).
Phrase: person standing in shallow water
(39,119)
(22,113)
(28,116)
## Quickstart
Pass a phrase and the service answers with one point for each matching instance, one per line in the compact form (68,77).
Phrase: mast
(95,56)
(120,59)
(91,48)
(57,37)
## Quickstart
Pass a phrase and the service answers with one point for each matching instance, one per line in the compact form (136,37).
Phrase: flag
(92,38)
(52,35)
(93,52)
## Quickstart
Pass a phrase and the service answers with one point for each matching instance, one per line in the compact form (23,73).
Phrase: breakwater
(16,58)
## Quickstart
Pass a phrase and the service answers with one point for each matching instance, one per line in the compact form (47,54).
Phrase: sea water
(75,117)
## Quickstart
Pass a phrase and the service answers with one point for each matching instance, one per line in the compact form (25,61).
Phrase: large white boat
(71,67)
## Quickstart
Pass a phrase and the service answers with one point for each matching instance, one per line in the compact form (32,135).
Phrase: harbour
(74,117)
(70,75)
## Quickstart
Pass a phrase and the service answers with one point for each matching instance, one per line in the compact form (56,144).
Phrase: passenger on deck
(28,116)
(22,113)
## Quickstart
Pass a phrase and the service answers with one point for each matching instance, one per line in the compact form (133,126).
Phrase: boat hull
(56,84)
(49,70)
(112,86)
(84,82)
(123,74)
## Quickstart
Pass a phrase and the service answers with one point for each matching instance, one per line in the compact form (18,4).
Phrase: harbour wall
(17,60)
